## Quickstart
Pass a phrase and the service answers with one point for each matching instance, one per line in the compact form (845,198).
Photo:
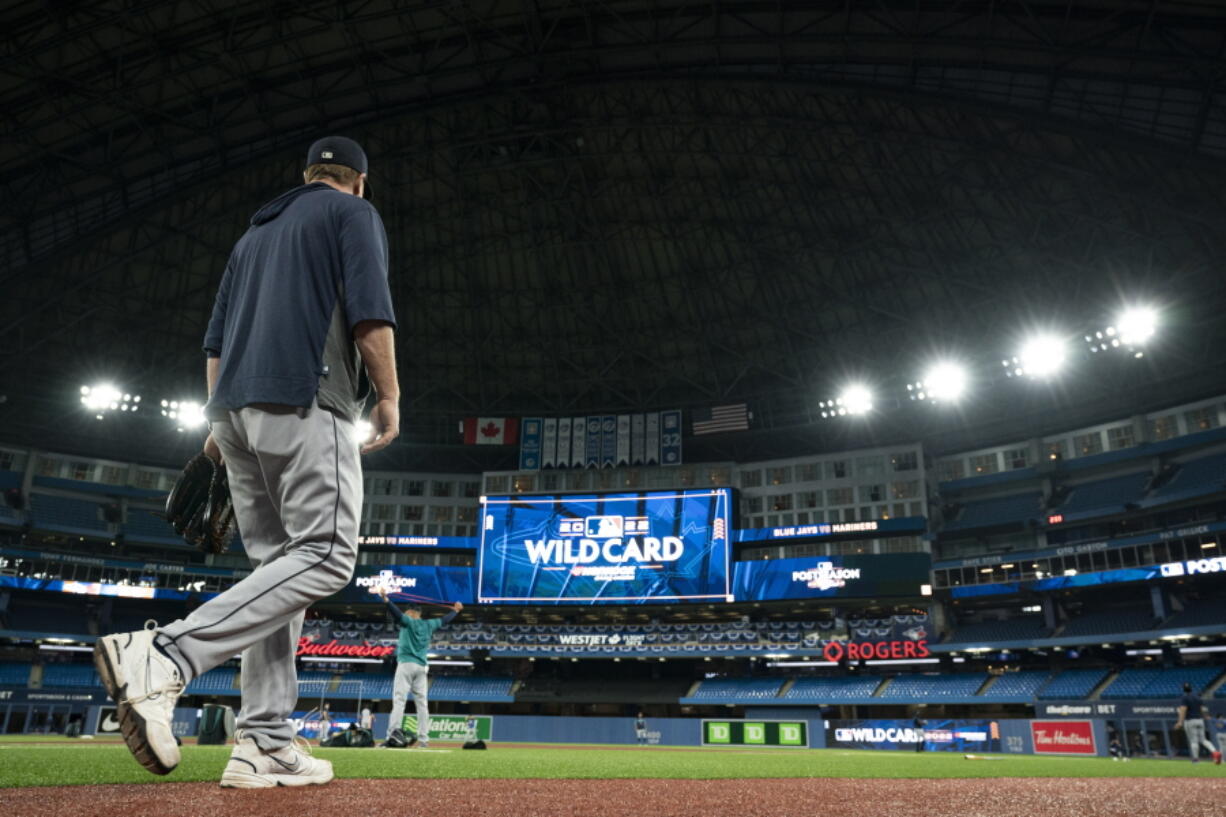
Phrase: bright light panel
(945,381)
(102,397)
(857,400)
(1042,356)
(1137,325)
(186,414)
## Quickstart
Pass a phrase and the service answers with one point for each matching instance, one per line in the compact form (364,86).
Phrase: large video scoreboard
(622,548)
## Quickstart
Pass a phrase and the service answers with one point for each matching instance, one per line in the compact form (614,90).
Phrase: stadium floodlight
(1041,356)
(856,399)
(105,397)
(1135,325)
(943,381)
(186,414)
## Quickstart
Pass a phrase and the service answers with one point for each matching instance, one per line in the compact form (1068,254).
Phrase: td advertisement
(643,547)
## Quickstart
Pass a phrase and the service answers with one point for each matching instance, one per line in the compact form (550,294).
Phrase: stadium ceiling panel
(622,205)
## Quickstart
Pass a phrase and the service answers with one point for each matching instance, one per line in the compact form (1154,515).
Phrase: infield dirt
(812,797)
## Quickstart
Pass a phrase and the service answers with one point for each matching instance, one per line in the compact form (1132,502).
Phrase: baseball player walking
(412,670)
(1192,719)
(302,309)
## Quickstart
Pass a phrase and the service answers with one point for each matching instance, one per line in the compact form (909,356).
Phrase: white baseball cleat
(250,767)
(145,686)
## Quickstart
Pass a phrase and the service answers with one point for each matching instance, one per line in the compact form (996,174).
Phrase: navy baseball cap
(343,151)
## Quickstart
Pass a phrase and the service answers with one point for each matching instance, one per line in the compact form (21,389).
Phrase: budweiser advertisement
(1063,737)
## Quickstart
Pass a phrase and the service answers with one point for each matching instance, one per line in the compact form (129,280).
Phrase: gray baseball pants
(296,481)
(1194,728)
(414,678)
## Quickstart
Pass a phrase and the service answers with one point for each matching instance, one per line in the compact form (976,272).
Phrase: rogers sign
(855,651)
(1063,738)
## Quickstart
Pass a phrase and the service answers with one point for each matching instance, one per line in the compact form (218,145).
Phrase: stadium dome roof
(626,205)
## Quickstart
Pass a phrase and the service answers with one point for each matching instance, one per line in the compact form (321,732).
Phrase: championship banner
(849,576)
(578,448)
(608,441)
(453,727)
(530,444)
(651,442)
(670,438)
(593,443)
(623,440)
(637,442)
(549,444)
(562,455)
(628,548)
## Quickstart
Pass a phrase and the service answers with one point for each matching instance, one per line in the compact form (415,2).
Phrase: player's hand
(212,449)
(385,425)
(383,592)
(458,606)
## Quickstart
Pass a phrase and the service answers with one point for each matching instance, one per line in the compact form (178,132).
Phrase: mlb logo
(603,527)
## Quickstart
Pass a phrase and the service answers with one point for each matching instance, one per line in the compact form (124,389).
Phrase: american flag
(721,418)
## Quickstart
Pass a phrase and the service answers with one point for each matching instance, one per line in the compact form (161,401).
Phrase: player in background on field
(1192,719)
(640,729)
(325,723)
(1219,726)
(918,724)
(412,670)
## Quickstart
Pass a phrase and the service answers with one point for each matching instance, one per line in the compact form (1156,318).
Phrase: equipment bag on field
(215,726)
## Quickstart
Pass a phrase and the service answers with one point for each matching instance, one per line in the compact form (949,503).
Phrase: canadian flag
(490,430)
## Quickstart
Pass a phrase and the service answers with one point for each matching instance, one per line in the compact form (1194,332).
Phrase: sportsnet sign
(631,548)
(1063,738)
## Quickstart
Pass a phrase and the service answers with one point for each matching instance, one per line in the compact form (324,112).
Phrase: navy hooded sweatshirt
(311,266)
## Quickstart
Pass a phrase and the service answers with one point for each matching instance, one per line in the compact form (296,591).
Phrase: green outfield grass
(69,762)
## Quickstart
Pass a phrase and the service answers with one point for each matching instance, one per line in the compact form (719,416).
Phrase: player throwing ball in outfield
(303,305)
(412,671)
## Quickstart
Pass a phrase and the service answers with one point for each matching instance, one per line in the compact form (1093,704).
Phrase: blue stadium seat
(927,687)
(1108,495)
(14,674)
(466,688)
(1022,628)
(145,525)
(1204,613)
(1106,622)
(1016,686)
(1197,477)
(218,681)
(1072,684)
(823,690)
(70,675)
(988,513)
(735,690)
(1159,682)
(65,514)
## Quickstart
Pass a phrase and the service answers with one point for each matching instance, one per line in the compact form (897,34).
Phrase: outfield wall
(1086,737)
